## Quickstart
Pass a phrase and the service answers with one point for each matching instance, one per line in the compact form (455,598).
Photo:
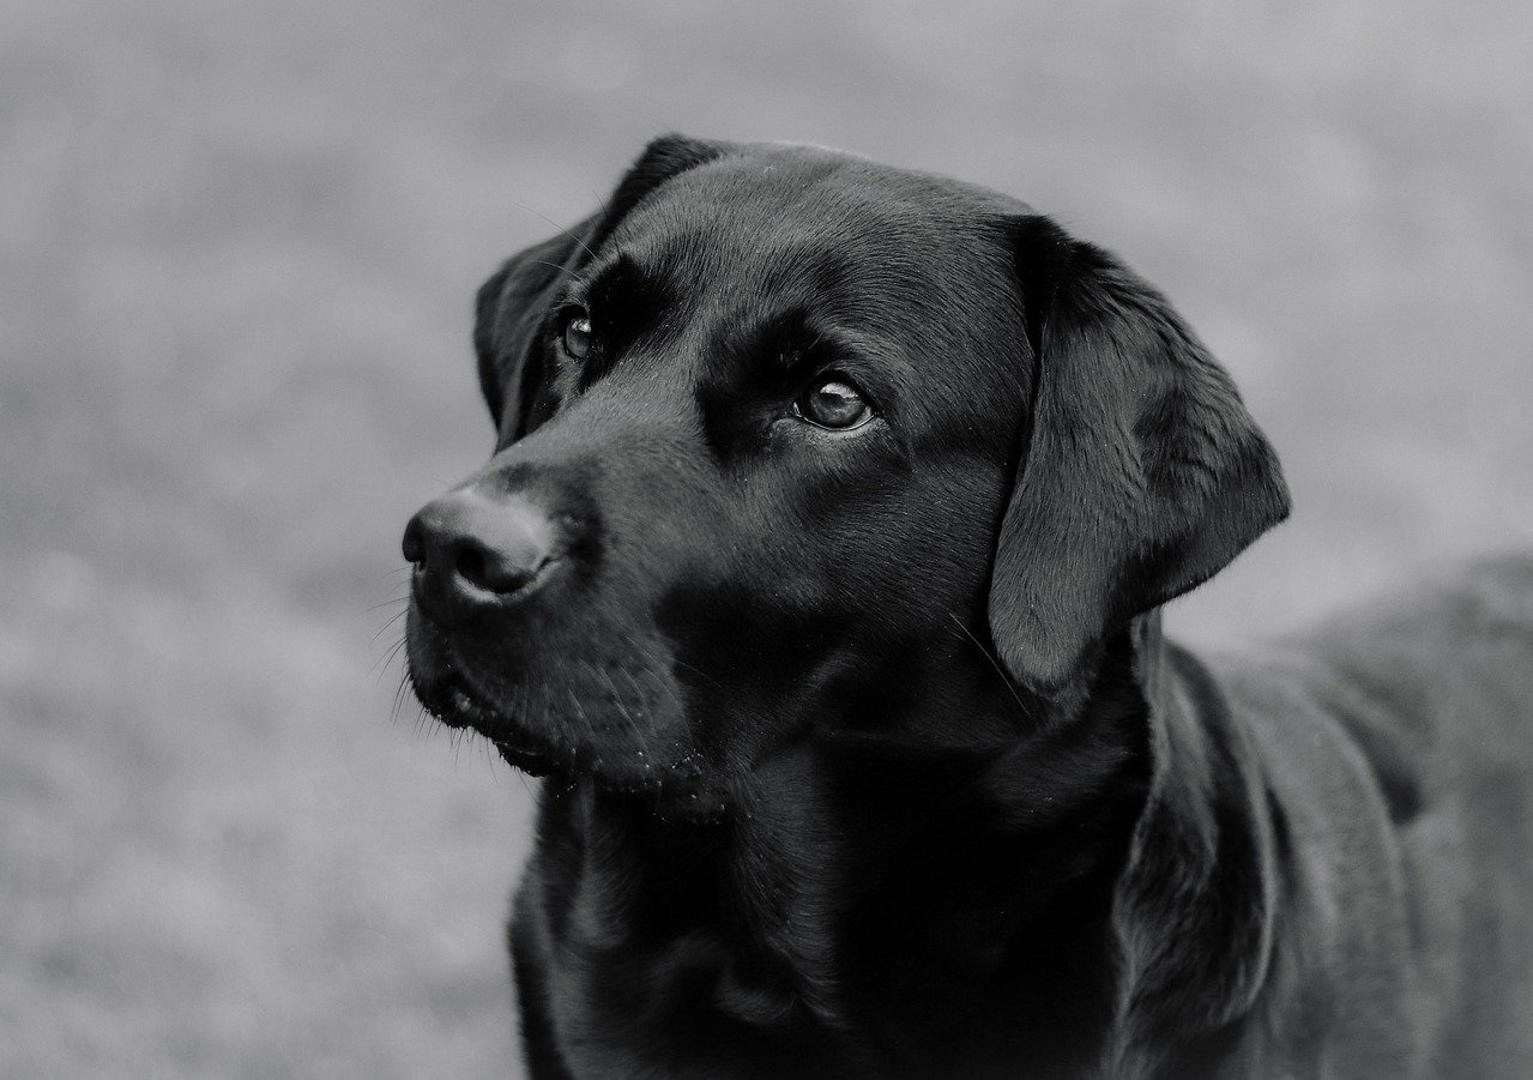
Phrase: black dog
(818,562)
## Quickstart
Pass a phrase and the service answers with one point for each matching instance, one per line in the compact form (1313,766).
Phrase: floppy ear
(510,307)
(508,311)
(1143,473)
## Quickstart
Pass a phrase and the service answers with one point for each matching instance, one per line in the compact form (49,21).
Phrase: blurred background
(238,248)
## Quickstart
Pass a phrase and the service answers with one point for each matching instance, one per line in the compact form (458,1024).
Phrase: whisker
(655,666)
(580,711)
(381,665)
(564,231)
(601,201)
(994,663)
(617,699)
(699,672)
(578,278)
(392,620)
(400,694)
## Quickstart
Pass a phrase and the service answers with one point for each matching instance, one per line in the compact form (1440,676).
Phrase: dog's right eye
(575,338)
(833,404)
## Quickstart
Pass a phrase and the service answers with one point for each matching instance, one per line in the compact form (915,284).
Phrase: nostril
(414,547)
(498,570)
(470,565)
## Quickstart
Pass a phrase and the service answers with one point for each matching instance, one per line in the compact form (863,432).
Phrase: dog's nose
(471,549)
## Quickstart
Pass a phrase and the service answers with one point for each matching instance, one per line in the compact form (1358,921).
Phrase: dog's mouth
(453,700)
(623,744)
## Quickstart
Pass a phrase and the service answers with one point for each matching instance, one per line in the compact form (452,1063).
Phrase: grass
(237,249)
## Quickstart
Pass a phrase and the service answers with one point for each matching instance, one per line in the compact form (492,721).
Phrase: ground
(238,245)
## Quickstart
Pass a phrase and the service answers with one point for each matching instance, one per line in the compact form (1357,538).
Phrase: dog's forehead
(779,209)
(910,277)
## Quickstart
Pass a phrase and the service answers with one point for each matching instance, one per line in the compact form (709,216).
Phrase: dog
(818,565)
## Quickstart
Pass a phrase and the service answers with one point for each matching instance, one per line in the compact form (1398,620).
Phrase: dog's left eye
(576,336)
(834,404)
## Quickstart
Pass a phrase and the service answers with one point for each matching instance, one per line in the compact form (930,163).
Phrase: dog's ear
(508,313)
(1142,473)
(510,307)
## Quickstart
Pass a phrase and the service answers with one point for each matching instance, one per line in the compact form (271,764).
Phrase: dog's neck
(1057,893)
(1200,898)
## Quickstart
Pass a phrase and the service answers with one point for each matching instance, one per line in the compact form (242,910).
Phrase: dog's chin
(677,789)
(456,704)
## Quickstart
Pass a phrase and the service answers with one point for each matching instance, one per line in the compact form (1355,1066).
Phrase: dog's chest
(681,1007)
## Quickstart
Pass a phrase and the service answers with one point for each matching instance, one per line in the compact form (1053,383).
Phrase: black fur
(867,757)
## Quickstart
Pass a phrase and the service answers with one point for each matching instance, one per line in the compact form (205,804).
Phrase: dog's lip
(445,686)
(454,701)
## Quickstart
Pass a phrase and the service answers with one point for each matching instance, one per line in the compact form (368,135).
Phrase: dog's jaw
(658,766)
(450,699)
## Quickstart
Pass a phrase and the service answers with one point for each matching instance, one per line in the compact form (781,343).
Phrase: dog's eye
(833,404)
(576,336)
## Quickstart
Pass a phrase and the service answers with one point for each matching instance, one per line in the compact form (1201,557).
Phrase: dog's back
(1399,741)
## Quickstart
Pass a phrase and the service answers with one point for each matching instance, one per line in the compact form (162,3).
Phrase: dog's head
(792,444)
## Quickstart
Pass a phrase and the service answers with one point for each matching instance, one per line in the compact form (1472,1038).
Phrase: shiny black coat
(866,755)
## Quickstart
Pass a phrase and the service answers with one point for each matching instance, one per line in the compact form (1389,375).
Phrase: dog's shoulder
(1395,745)
(1429,686)
(1447,659)
(1449,618)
